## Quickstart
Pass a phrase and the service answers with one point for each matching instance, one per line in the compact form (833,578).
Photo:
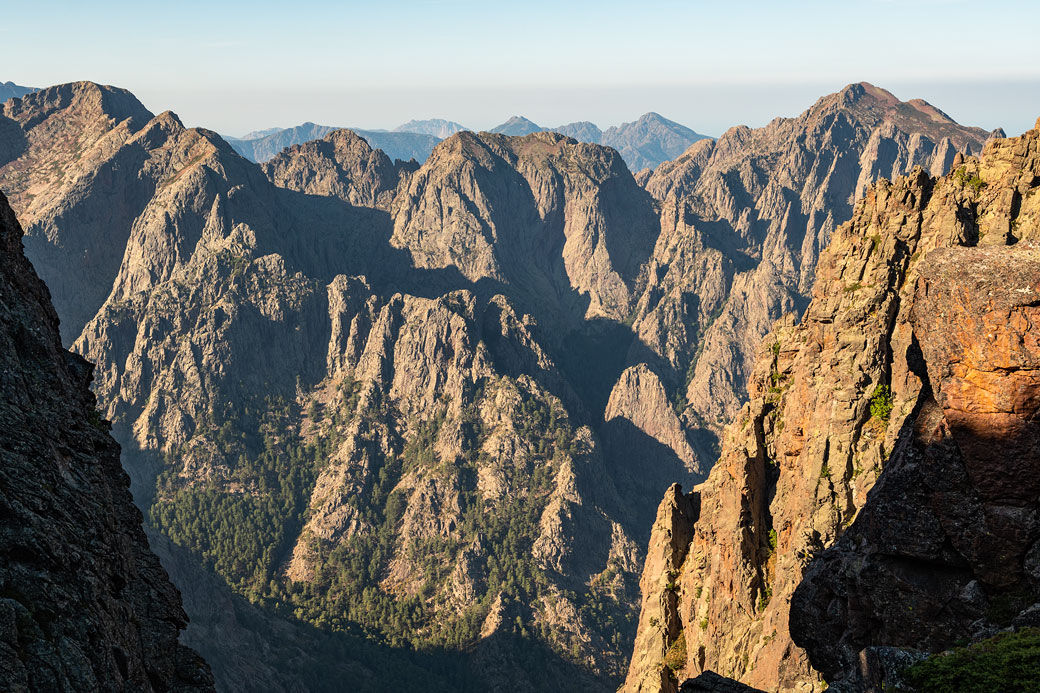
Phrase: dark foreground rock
(84,603)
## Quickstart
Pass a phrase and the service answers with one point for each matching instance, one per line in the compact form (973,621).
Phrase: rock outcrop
(406,398)
(947,548)
(744,219)
(828,402)
(84,603)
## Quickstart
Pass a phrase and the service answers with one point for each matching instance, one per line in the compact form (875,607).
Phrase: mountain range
(642,144)
(875,499)
(436,126)
(10,90)
(403,145)
(433,406)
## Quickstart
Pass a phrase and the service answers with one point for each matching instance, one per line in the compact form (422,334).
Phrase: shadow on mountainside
(264,647)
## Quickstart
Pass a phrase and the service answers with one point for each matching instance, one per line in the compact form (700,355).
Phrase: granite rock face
(744,219)
(407,398)
(913,333)
(946,548)
(84,603)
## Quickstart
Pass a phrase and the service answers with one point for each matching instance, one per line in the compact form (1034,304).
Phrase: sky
(237,66)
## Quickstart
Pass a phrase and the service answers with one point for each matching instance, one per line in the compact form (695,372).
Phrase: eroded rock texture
(947,549)
(440,403)
(892,321)
(84,604)
(744,219)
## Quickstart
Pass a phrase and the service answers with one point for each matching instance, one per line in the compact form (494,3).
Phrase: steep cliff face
(945,550)
(341,165)
(745,218)
(562,222)
(828,399)
(85,604)
(395,398)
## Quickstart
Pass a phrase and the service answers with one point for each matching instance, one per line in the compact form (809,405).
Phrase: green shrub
(1007,662)
(881,403)
(966,180)
(765,597)
(675,657)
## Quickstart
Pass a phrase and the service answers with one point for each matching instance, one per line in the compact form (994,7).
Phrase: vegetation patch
(968,180)
(675,657)
(881,403)
(765,597)
(1007,662)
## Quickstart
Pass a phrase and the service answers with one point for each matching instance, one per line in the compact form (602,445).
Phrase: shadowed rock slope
(434,404)
(85,605)
(899,344)
(743,221)
(947,548)
(339,434)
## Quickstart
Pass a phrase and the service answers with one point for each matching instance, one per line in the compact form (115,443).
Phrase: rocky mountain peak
(883,351)
(529,211)
(650,140)
(341,164)
(517,125)
(90,100)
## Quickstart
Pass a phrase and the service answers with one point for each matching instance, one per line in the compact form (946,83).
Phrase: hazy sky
(236,66)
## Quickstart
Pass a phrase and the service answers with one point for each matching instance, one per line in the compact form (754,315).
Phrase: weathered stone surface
(941,551)
(798,462)
(341,165)
(84,603)
(744,219)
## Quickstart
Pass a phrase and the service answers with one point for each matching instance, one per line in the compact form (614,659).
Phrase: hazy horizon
(237,67)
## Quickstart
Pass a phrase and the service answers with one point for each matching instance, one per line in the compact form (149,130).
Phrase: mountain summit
(435,126)
(437,402)
(517,125)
